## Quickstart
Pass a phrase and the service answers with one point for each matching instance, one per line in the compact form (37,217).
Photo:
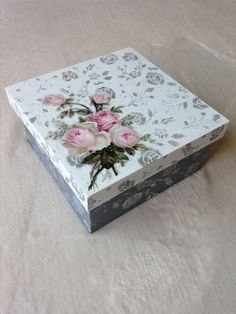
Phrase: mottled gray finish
(127,200)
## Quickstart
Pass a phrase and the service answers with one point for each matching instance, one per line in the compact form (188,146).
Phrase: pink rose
(104,119)
(54,100)
(85,137)
(123,136)
(78,137)
(100,98)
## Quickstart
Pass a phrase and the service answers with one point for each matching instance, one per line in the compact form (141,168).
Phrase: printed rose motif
(69,75)
(124,136)
(155,78)
(199,104)
(134,74)
(75,160)
(109,59)
(188,149)
(149,156)
(134,118)
(105,119)
(54,100)
(129,56)
(85,137)
(94,76)
(161,133)
(100,98)
(107,91)
(215,133)
(90,66)
(125,185)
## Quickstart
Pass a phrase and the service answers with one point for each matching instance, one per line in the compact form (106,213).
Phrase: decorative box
(114,131)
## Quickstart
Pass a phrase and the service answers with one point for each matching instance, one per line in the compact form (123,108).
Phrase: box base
(132,197)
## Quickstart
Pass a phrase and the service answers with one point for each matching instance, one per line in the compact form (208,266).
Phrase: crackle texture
(173,254)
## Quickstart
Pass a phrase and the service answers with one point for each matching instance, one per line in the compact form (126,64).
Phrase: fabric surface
(173,254)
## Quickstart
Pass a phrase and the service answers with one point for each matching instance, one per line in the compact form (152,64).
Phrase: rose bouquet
(99,138)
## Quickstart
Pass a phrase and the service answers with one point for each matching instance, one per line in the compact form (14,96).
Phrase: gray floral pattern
(134,118)
(129,56)
(125,185)
(216,133)
(199,104)
(109,59)
(188,149)
(69,75)
(75,160)
(155,78)
(148,156)
(161,133)
(94,76)
(108,91)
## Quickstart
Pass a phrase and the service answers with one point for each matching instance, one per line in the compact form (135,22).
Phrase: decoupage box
(114,131)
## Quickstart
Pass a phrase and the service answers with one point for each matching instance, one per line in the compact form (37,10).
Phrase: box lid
(110,122)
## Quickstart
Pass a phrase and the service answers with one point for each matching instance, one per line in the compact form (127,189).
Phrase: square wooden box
(114,131)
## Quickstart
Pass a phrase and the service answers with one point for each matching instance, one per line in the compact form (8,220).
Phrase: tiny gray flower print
(69,75)
(129,56)
(155,78)
(134,74)
(94,76)
(161,133)
(134,118)
(109,59)
(199,104)
(125,185)
(188,149)
(215,133)
(149,156)
(108,91)
(75,160)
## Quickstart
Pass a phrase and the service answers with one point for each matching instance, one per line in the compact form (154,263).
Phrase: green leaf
(117,109)
(91,159)
(140,146)
(122,156)
(146,137)
(130,151)
(119,149)
(81,120)
(83,112)
(63,114)
(68,100)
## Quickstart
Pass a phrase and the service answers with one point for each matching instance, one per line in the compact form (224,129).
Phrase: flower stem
(75,103)
(115,172)
(100,168)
